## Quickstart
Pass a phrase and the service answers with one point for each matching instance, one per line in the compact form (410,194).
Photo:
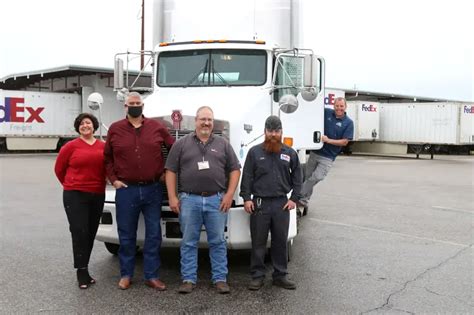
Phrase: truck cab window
(218,67)
(289,76)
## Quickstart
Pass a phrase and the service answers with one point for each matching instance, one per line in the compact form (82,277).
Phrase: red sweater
(80,166)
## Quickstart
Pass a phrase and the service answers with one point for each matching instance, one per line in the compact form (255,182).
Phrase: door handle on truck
(317,136)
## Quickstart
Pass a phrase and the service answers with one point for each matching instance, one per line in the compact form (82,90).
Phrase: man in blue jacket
(338,131)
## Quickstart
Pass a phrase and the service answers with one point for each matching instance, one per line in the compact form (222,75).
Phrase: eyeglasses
(134,103)
(206,119)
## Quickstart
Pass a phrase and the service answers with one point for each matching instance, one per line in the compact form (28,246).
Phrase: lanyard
(203,146)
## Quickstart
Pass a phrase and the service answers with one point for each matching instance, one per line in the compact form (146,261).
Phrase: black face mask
(135,111)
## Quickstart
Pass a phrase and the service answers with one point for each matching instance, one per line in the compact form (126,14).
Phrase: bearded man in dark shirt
(271,171)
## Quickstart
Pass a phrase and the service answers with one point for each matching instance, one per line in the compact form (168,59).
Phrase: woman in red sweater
(80,169)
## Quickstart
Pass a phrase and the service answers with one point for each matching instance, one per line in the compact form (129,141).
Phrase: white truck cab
(244,80)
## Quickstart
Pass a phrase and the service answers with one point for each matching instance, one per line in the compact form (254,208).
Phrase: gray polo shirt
(187,156)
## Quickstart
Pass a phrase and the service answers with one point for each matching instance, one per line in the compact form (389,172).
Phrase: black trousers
(269,216)
(83,210)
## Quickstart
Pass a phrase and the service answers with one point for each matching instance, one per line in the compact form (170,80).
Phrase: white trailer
(366,118)
(427,126)
(241,60)
(36,120)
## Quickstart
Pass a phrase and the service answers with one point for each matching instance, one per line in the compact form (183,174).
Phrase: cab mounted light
(200,41)
(288,141)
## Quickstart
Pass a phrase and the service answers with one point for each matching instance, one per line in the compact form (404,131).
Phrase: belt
(204,193)
(143,183)
(273,197)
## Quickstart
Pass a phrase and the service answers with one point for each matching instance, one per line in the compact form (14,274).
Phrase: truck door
(298,97)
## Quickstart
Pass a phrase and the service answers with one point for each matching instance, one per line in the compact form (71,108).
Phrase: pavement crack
(405,311)
(449,296)
(387,305)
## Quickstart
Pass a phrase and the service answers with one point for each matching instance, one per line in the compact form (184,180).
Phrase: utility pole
(142,63)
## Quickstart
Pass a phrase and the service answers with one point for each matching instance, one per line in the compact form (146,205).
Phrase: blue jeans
(194,212)
(130,201)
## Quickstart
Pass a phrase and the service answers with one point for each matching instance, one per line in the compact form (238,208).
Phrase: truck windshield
(212,67)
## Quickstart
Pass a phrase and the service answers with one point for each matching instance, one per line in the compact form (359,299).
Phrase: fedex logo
(468,109)
(369,108)
(13,112)
(329,100)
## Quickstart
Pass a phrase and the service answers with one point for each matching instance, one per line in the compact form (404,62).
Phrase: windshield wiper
(214,72)
(203,70)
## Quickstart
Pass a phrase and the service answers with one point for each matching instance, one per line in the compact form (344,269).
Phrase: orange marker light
(288,141)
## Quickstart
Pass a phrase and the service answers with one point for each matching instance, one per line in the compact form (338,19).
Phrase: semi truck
(244,61)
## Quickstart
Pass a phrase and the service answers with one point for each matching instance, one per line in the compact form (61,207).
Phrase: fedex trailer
(242,60)
(366,118)
(427,127)
(36,120)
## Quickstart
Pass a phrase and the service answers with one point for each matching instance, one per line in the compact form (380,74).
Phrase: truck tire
(112,248)
(3,145)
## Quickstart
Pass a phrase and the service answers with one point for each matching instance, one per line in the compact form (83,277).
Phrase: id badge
(204,165)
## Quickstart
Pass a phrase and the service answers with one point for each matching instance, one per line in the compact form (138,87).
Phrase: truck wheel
(416,148)
(3,145)
(112,248)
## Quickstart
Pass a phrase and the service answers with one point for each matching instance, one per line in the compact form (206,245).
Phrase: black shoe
(91,280)
(302,208)
(256,284)
(305,210)
(83,278)
(284,283)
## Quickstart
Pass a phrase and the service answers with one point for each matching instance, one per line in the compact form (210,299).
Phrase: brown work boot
(186,287)
(222,287)
(156,284)
(124,283)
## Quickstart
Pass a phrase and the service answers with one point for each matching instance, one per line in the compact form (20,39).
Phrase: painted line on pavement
(391,233)
(452,209)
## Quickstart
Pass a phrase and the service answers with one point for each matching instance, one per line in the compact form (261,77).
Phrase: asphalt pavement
(383,235)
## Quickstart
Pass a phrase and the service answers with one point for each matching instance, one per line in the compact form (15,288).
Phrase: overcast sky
(413,47)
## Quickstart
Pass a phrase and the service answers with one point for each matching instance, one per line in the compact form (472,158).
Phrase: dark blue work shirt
(335,128)
(271,174)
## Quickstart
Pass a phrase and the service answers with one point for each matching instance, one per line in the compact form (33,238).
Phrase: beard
(272,144)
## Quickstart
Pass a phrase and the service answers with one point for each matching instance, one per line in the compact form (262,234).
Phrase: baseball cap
(273,123)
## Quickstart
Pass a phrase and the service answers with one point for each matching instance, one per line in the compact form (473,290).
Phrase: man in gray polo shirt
(208,171)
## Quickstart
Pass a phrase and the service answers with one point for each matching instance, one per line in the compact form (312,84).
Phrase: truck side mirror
(309,72)
(95,101)
(313,82)
(309,94)
(288,103)
(118,74)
